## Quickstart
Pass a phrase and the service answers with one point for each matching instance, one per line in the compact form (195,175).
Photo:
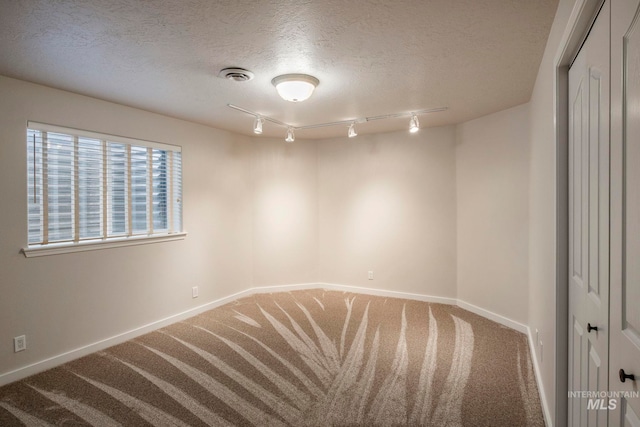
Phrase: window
(86,188)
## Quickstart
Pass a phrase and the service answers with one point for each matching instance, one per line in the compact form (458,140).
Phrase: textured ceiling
(372,57)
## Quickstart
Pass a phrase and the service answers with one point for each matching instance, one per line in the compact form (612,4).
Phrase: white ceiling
(373,57)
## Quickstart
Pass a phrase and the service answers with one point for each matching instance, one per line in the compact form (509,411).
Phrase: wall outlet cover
(19,343)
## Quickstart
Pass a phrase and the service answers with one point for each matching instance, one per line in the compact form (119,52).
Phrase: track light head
(257,125)
(352,130)
(414,124)
(290,135)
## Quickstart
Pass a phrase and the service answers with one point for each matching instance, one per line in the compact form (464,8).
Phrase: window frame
(106,241)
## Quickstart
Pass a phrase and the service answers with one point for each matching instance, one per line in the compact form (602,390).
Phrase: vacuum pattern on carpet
(302,358)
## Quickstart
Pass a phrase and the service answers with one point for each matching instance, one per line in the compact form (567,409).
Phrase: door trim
(580,21)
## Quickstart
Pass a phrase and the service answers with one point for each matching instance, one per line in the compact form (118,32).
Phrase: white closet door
(589,224)
(625,210)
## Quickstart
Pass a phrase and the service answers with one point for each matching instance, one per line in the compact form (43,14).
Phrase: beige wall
(492,173)
(232,187)
(285,212)
(387,204)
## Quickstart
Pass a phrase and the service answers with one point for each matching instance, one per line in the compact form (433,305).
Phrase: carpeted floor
(302,358)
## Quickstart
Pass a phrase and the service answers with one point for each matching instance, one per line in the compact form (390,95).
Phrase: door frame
(582,17)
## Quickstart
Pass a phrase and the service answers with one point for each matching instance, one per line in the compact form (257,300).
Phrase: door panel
(589,222)
(596,373)
(595,191)
(577,177)
(625,209)
(577,411)
(597,298)
(631,219)
(577,239)
(629,417)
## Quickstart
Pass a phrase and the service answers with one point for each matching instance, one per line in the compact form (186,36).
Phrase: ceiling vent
(236,74)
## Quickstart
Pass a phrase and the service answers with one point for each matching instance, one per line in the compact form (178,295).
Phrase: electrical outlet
(19,343)
(370,275)
(194,292)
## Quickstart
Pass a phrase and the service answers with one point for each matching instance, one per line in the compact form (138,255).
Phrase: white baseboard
(536,369)
(354,289)
(493,316)
(385,293)
(58,360)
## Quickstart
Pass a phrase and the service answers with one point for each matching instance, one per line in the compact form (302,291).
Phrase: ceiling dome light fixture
(414,124)
(290,135)
(257,125)
(352,130)
(295,87)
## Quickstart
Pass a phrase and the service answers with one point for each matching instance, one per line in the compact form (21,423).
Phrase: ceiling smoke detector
(236,74)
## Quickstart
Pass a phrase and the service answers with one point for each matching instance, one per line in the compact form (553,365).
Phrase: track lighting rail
(349,122)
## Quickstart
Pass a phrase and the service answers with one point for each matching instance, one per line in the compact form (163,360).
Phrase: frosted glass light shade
(295,87)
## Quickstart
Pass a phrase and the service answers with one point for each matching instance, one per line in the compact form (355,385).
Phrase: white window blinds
(85,186)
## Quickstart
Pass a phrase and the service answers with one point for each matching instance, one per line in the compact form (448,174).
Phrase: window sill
(92,245)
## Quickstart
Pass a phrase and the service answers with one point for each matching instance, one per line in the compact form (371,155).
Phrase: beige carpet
(303,358)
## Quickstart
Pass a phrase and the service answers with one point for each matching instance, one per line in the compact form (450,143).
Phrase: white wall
(492,174)
(232,187)
(542,206)
(387,204)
